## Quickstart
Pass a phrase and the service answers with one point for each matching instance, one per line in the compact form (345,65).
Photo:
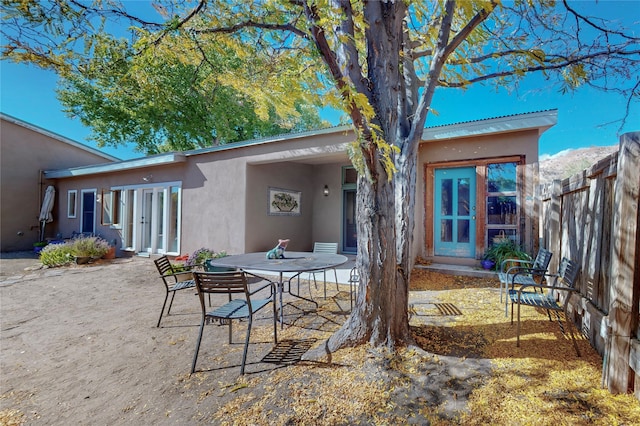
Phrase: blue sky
(585,118)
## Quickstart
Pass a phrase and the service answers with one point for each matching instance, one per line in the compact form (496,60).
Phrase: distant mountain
(571,161)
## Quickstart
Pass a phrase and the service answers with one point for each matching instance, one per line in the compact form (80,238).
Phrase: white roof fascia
(542,121)
(56,136)
(279,138)
(176,157)
(156,160)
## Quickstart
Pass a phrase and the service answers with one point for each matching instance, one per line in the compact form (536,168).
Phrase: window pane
(501,210)
(463,197)
(160,221)
(350,175)
(116,207)
(446,230)
(495,234)
(463,230)
(106,208)
(501,177)
(446,197)
(72,203)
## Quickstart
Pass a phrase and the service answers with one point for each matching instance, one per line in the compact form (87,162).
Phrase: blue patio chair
(520,272)
(554,297)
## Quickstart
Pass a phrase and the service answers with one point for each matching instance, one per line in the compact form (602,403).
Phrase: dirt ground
(80,345)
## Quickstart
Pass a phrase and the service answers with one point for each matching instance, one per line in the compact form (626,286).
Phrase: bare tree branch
(594,25)
(252,24)
(556,64)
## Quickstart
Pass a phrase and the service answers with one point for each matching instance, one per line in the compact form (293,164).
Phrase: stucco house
(475,180)
(25,152)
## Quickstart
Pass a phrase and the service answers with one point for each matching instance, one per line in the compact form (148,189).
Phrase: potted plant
(38,246)
(498,252)
(198,257)
(210,268)
(488,263)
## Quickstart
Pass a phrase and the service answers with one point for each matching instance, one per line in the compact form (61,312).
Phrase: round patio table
(294,261)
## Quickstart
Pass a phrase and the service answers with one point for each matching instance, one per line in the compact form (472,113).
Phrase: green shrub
(56,255)
(95,247)
(180,267)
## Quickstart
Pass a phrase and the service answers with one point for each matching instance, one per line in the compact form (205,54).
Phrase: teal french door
(455,212)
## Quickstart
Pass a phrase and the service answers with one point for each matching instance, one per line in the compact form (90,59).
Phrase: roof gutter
(156,160)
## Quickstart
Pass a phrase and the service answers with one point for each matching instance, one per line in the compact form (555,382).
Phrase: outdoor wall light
(325,191)
(148,178)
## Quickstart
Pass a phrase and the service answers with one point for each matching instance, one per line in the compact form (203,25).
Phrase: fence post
(625,265)
(554,224)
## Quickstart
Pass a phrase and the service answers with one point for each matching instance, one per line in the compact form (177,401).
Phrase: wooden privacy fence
(593,218)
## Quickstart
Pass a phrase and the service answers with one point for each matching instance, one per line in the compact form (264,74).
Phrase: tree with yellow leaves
(379,61)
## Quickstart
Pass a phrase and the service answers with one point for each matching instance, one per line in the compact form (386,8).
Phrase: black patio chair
(231,283)
(172,282)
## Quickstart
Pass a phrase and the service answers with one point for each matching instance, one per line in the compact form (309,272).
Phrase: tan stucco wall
(327,219)
(224,192)
(523,143)
(24,152)
(244,177)
(263,230)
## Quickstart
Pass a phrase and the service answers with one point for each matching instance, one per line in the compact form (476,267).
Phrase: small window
(349,176)
(72,203)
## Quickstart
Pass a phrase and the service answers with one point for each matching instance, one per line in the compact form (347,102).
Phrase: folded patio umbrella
(45,211)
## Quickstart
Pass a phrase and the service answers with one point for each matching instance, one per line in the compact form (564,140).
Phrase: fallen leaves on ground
(465,370)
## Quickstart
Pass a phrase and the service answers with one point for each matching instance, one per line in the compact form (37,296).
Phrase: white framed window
(72,203)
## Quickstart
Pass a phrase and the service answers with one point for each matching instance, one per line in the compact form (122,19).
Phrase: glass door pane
(146,219)
(172,237)
(159,221)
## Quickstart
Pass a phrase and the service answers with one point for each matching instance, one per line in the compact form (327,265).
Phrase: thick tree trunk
(385,225)
(384,205)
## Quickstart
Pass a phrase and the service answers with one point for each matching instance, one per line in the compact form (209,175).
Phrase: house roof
(541,120)
(37,129)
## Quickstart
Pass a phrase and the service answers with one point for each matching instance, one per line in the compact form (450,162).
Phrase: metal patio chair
(172,283)
(331,248)
(231,283)
(553,297)
(520,272)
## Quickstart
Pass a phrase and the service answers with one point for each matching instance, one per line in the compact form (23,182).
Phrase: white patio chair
(330,248)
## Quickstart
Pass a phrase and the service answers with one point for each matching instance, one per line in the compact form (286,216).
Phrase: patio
(75,347)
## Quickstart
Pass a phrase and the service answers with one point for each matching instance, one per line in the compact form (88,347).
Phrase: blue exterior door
(455,212)
(88,212)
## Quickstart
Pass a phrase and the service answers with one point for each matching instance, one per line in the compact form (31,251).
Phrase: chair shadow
(498,340)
